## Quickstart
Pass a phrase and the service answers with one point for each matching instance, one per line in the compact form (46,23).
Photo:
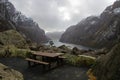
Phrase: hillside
(107,67)
(96,31)
(12,37)
(10,18)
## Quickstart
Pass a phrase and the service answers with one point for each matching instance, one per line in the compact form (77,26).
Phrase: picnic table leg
(29,63)
(58,62)
(49,66)
(44,66)
(34,57)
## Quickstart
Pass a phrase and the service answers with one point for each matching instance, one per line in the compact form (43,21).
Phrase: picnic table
(46,59)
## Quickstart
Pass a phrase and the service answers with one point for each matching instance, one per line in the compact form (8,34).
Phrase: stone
(7,73)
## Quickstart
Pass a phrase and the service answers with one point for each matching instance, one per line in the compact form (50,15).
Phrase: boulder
(7,73)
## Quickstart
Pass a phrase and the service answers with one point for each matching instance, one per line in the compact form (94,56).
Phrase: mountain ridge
(96,31)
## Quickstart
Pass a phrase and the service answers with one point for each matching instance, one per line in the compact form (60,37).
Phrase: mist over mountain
(54,35)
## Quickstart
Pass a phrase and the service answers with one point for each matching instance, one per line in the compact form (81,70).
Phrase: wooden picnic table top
(47,54)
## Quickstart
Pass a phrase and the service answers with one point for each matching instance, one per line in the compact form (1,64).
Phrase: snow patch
(116,10)
(86,28)
(92,22)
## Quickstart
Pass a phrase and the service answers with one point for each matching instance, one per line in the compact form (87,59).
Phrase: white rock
(92,22)
(116,10)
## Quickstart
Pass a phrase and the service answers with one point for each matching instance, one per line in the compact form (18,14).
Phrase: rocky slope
(96,31)
(11,18)
(107,67)
(12,37)
(7,73)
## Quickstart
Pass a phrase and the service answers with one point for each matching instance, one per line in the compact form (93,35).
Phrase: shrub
(12,51)
(20,53)
(13,37)
(2,52)
(81,60)
(90,75)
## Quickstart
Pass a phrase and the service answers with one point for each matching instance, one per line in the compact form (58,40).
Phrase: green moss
(12,37)
(80,60)
(12,51)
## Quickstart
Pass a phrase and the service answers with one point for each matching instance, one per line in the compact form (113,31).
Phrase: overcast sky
(57,15)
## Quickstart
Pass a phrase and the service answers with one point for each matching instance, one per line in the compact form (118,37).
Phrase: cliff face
(96,31)
(107,67)
(10,18)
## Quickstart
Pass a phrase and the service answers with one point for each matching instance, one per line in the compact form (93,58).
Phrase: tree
(51,43)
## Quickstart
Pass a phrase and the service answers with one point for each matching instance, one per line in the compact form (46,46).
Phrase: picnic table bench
(36,61)
(47,59)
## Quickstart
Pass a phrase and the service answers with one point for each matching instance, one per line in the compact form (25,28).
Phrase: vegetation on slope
(12,44)
(107,67)
(12,37)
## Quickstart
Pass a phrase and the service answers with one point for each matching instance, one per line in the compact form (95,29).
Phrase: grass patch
(12,51)
(12,37)
(81,60)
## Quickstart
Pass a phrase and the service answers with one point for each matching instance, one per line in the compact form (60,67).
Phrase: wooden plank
(37,61)
(62,57)
(47,54)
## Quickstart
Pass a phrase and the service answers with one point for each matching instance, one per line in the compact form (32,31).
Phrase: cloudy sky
(57,15)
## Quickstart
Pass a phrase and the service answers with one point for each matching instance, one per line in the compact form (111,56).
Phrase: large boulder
(7,73)
(96,31)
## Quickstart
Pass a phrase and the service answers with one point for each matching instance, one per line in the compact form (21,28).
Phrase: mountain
(96,31)
(54,35)
(10,18)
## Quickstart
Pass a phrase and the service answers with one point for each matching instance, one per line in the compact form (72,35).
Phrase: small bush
(90,75)
(13,37)
(2,52)
(20,53)
(12,51)
(80,60)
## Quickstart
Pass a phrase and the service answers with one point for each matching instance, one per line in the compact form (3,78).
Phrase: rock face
(12,19)
(108,67)
(7,73)
(96,31)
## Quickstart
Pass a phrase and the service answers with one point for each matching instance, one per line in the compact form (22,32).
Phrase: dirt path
(62,73)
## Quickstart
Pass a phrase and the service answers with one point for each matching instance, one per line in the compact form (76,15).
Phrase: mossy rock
(12,37)
(7,73)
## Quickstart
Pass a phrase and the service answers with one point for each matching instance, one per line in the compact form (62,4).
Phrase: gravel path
(61,73)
